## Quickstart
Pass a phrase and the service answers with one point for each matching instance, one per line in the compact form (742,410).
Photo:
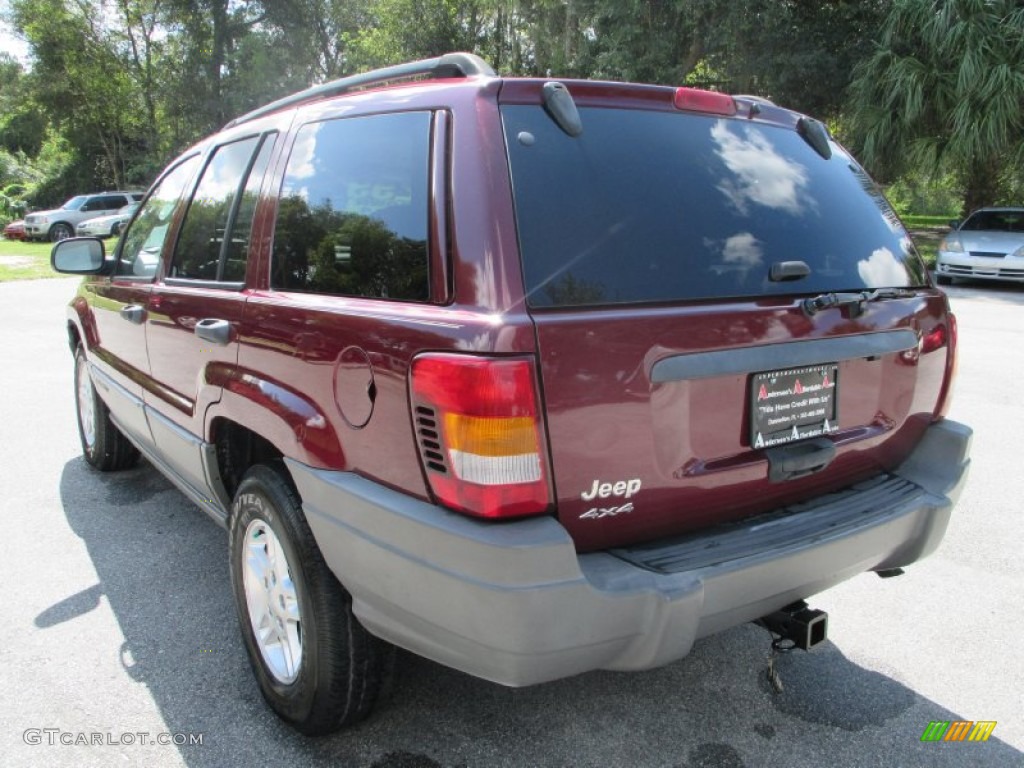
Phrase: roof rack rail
(448,65)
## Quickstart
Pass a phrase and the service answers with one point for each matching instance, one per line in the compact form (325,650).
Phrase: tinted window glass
(197,253)
(142,243)
(352,218)
(995,221)
(237,250)
(94,204)
(113,202)
(663,206)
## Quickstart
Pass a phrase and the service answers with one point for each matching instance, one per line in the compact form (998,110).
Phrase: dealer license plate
(793,404)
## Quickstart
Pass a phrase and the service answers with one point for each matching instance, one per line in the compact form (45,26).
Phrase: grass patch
(24,261)
(913,221)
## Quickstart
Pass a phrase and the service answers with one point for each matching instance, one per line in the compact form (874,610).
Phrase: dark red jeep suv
(529,377)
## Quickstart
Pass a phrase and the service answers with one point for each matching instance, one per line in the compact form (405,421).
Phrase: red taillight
(478,426)
(697,100)
(943,336)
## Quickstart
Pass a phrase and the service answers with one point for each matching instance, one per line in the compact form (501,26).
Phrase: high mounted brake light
(698,100)
(478,427)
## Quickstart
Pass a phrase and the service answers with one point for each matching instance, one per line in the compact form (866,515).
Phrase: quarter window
(352,218)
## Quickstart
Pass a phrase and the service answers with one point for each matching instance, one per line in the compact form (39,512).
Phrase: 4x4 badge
(598,512)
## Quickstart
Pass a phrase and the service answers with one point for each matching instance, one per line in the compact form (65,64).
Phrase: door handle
(214,329)
(134,313)
(788,462)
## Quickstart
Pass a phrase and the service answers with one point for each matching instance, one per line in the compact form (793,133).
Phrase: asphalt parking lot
(121,622)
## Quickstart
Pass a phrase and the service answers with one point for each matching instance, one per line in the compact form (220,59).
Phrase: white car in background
(988,245)
(60,223)
(106,226)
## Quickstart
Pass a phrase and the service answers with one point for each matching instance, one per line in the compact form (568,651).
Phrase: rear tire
(103,445)
(316,665)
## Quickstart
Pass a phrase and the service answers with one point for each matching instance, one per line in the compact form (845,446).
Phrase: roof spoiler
(448,65)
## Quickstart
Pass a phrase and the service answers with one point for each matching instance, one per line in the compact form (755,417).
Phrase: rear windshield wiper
(856,301)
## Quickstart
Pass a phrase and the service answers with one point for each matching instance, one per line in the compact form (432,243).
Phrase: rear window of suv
(650,206)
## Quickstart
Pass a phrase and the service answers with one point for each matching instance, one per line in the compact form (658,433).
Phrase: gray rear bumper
(514,603)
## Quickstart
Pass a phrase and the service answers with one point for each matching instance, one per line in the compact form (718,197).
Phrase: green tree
(82,86)
(22,123)
(517,37)
(650,41)
(127,83)
(798,54)
(207,82)
(403,30)
(944,89)
(317,34)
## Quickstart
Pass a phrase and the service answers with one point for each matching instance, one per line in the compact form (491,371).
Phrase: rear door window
(352,218)
(94,205)
(214,239)
(113,202)
(650,206)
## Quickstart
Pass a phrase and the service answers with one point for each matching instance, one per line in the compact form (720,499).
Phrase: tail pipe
(803,626)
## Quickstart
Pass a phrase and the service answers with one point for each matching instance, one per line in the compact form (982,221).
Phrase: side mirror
(79,256)
(953,223)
